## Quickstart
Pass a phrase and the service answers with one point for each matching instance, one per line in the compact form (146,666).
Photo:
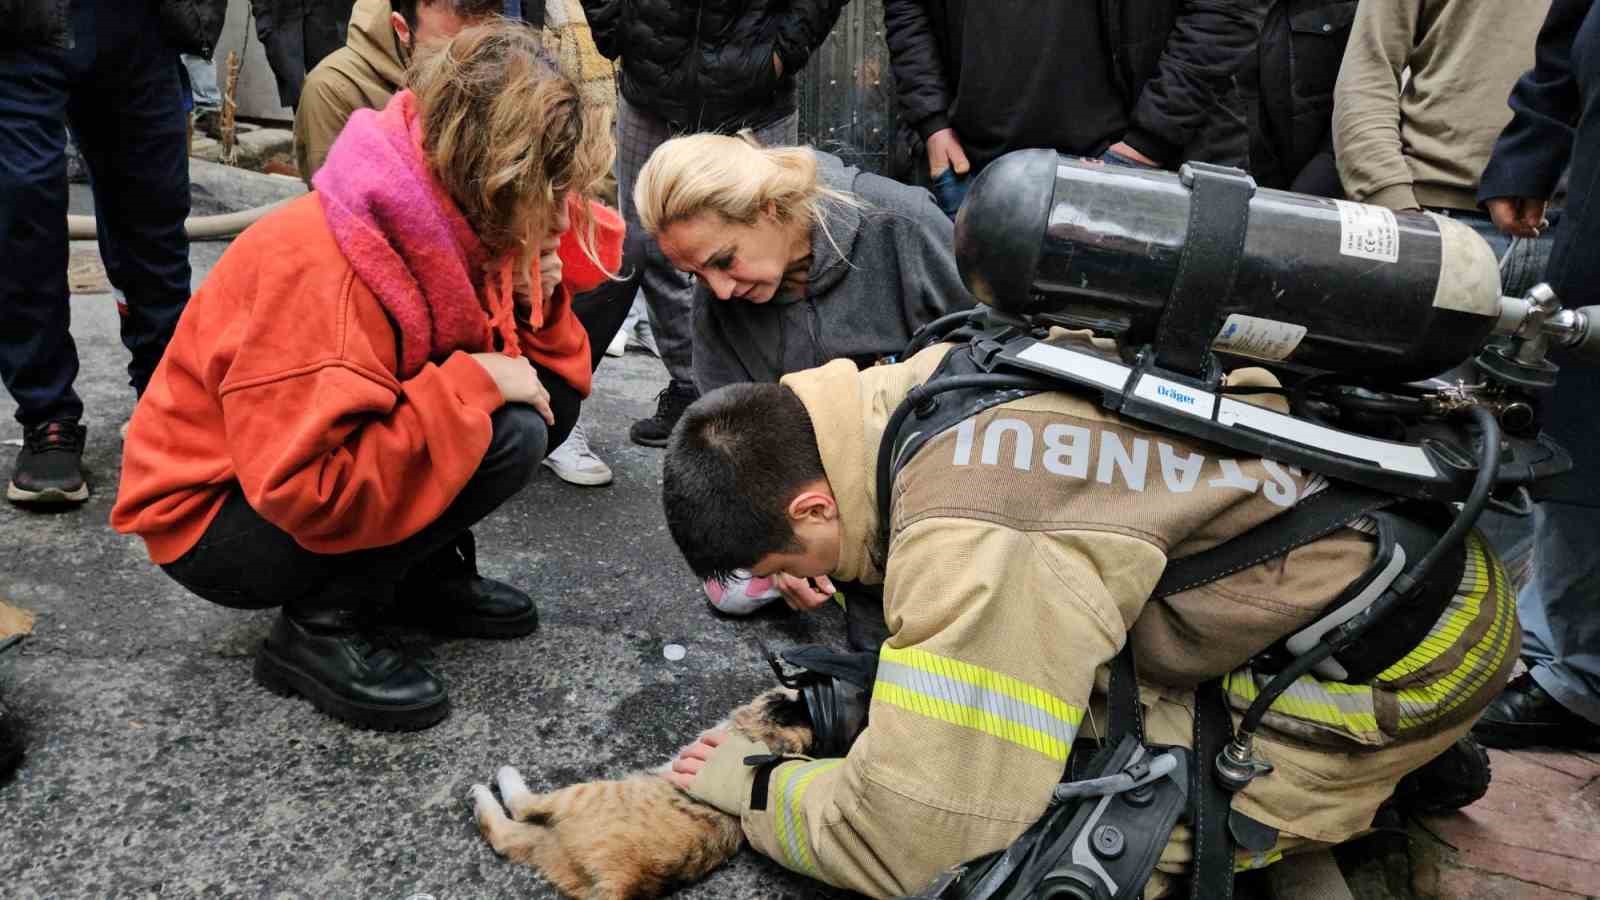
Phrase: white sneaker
(574,463)
(642,338)
(618,345)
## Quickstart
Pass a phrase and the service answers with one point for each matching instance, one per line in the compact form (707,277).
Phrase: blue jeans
(1523,261)
(1559,605)
(950,190)
(119,88)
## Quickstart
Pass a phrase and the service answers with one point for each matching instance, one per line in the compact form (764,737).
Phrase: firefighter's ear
(814,504)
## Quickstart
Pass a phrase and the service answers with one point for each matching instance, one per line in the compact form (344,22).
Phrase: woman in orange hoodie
(374,368)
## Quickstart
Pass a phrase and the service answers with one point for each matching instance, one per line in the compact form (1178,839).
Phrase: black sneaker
(670,404)
(346,675)
(49,469)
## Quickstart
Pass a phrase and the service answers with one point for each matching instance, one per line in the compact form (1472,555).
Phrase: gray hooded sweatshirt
(897,273)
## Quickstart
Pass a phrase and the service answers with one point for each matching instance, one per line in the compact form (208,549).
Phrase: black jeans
(120,90)
(296,35)
(245,562)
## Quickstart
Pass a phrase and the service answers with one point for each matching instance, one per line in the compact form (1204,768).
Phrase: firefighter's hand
(1518,216)
(803,594)
(691,759)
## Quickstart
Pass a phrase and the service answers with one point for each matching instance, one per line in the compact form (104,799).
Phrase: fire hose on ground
(198,228)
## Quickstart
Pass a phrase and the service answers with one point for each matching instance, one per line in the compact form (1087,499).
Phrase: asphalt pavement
(157,767)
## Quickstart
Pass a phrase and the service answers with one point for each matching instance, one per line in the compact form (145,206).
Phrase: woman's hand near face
(517,381)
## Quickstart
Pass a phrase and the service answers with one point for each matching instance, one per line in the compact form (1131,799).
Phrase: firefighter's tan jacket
(1024,546)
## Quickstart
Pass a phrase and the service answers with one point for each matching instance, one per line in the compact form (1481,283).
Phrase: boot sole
(285,680)
(648,442)
(48,496)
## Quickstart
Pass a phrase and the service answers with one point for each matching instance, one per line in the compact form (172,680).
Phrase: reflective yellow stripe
(790,783)
(983,700)
(1337,705)
(1422,704)
(1247,862)
(1483,591)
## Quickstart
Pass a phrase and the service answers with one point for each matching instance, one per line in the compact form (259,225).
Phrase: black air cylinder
(1321,284)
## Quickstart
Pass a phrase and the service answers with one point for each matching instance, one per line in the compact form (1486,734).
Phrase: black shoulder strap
(1315,517)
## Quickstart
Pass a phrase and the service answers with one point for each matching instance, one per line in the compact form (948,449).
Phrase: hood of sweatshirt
(372,37)
(833,238)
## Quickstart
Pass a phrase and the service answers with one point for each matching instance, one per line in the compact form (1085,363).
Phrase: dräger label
(1259,338)
(1369,232)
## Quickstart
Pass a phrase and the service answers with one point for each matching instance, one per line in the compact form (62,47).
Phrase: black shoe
(50,467)
(326,660)
(1526,716)
(445,594)
(670,404)
(1455,779)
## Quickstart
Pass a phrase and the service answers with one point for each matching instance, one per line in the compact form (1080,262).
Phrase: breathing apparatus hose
(936,330)
(1477,500)
(196,228)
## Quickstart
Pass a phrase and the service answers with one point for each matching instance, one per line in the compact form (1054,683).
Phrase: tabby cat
(633,838)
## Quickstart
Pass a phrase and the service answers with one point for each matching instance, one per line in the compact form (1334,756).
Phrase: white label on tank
(1258,338)
(1369,232)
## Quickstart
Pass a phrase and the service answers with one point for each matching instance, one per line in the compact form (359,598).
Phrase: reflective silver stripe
(956,701)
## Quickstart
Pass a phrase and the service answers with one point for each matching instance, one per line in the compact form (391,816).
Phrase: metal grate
(846,93)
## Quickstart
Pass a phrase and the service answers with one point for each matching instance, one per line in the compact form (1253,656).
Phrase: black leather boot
(1525,715)
(324,655)
(1455,779)
(445,594)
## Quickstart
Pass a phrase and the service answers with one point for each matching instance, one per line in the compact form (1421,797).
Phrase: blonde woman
(373,369)
(799,258)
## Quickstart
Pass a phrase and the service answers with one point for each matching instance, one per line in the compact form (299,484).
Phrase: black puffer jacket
(193,26)
(1288,88)
(707,64)
(1173,62)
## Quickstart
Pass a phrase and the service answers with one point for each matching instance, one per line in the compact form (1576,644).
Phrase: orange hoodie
(281,378)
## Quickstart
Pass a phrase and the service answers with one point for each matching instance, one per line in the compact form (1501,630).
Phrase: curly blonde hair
(508,136)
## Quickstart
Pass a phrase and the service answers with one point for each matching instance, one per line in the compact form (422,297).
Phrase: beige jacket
(1424,140)
(367,71)
(1024,546)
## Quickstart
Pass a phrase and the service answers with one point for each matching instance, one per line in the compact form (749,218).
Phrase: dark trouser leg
(668,293)
(603,309)
(128,116)
(246,562)
(38,360)
(279,26)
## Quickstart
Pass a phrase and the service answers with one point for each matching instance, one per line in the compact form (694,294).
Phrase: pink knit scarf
(409,244)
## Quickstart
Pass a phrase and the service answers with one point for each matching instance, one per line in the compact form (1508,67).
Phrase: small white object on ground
(673,652)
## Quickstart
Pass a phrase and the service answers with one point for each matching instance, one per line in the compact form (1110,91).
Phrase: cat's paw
(483,801)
